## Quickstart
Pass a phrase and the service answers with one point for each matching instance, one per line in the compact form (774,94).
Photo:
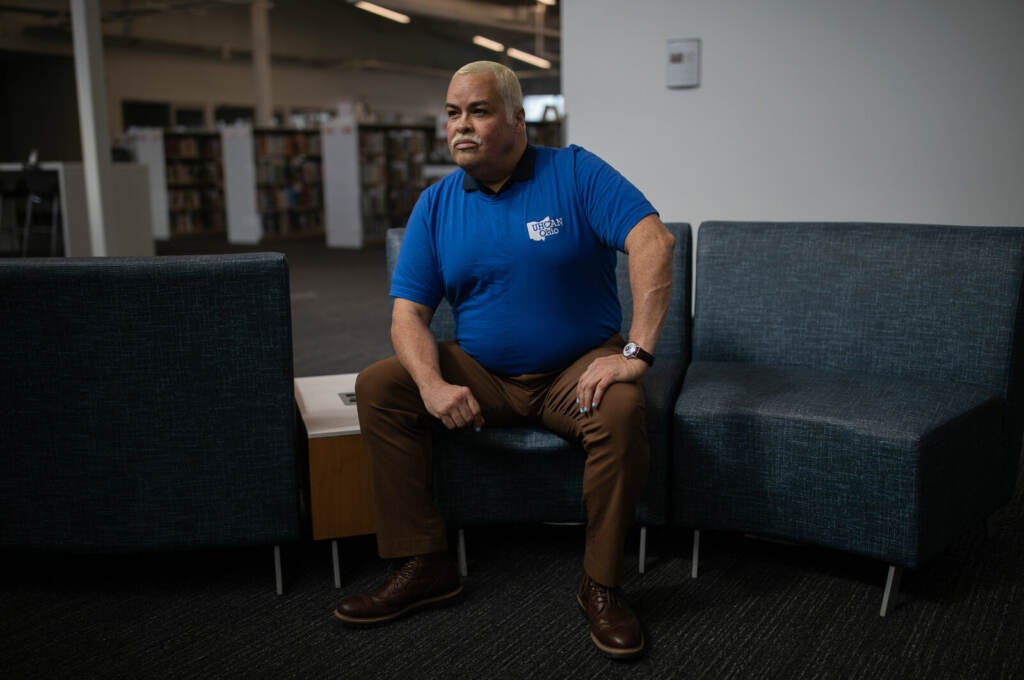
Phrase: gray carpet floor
(757,610)
(340,308)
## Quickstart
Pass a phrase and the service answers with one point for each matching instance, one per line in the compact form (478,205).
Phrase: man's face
(480,138)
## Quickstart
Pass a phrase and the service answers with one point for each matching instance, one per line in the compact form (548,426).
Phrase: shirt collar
(522,172)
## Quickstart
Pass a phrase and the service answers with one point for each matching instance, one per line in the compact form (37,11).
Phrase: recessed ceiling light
(488,43)
(528,58)
(383,12)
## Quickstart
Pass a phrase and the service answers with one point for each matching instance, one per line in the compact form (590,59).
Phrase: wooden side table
(341,498)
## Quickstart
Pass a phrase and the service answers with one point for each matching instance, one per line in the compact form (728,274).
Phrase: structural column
(92,118)
(261,61)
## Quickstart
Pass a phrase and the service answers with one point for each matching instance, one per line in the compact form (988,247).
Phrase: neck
(496,186)
(497,178)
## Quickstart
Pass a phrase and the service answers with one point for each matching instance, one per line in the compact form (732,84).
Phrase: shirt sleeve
(417,274)
(613,204)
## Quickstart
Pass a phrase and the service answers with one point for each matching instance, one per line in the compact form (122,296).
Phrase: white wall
(875,110)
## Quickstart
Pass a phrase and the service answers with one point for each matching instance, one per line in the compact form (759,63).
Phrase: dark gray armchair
(855,386)
(147,404)
(526,474)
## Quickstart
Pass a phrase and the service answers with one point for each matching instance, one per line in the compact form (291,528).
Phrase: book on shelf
(347,181)
(289,175)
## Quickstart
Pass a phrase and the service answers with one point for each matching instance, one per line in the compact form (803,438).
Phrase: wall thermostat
(682,68)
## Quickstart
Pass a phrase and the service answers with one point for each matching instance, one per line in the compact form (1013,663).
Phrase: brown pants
(397,432)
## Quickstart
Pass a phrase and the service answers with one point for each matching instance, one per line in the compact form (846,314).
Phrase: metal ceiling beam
(150,8)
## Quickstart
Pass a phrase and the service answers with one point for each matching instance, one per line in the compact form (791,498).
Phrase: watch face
(629,350)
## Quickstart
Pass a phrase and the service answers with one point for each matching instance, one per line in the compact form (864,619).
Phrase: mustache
(466,138)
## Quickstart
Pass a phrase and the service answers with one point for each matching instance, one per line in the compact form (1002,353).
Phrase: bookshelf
(545,133)
(346,182)
(195,185)
(289,182)
(391,159)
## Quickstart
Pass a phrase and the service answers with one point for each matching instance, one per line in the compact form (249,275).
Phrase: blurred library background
(249,123)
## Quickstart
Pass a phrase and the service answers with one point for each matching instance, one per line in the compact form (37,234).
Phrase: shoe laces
(402,575)
(601,596)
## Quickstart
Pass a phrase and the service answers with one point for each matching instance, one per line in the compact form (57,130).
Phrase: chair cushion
(872,465)
(519,474)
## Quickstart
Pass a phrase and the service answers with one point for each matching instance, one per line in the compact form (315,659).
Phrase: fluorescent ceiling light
(383,12)
(528,58)
(549,3)
(488,43)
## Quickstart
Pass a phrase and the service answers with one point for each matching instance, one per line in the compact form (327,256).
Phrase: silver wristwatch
(635,351)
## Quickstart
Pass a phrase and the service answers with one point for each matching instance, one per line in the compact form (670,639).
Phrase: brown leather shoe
(614,628)
(421,581)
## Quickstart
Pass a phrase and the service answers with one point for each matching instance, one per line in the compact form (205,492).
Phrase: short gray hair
(509,89)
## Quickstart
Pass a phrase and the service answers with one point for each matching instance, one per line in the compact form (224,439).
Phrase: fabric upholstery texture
(854,385)
(528,474)
(147,403)
(874,465)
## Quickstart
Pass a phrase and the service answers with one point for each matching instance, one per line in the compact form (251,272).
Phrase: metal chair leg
(463,568)
(892,589)
(26,230)
(695,560)
(277,570)
(337,563)
(643,549)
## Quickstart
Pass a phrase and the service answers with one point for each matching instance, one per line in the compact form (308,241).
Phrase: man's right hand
(454,405)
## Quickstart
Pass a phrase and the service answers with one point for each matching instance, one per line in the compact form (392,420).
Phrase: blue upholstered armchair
(525,474)
(855,386)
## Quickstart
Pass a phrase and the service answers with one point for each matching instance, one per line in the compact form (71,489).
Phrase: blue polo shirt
(529,271)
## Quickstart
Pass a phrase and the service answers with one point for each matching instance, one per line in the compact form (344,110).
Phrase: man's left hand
(601,374)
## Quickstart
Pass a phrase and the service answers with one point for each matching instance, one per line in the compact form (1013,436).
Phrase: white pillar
(92,119)
(538,36)
(261,61)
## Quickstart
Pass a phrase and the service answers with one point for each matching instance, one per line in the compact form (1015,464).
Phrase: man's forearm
(416,349)
(650,247)
(415,346)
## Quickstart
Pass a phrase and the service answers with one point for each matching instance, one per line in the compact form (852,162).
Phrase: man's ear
(520,118)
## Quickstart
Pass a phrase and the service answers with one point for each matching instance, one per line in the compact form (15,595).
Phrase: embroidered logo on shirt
(541,229)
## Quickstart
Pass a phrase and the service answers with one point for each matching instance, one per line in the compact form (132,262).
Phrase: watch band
(635,351)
